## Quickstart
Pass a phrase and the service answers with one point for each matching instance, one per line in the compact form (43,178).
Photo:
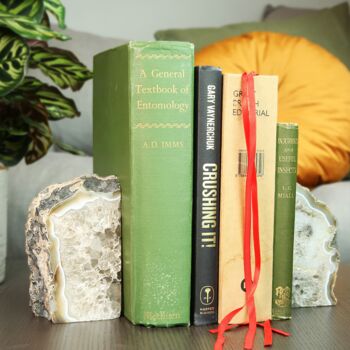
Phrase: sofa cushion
(329,28)
(25,182)
(272,13)
(78,131)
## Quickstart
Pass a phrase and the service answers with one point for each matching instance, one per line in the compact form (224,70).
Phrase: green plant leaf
(13,147)
(58,10)
(38,147)
(39,132)
(24,130)
(29,29)
(29,8)
(14,54)
(46,20)
(57,105)
(29,85)
(62,66)
(68,148)
(14,139)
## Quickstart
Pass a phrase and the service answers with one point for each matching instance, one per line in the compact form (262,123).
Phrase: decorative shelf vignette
(316,259)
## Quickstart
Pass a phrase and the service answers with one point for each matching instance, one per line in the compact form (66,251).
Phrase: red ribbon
(251,214)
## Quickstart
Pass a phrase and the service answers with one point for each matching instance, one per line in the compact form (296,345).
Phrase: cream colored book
(233,177)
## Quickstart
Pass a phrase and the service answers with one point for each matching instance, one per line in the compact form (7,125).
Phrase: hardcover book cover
(143,132)
(233,177)
(206,206)
(286,179)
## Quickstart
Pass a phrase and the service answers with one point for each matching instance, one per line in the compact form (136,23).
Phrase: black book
(206,200)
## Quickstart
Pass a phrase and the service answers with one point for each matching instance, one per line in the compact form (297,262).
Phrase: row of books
(174,137)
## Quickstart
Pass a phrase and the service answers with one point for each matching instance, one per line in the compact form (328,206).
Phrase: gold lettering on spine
(287,164)
(144,88)
(209,203)
(287,141)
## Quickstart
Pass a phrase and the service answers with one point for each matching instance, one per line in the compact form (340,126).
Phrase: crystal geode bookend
(316,259)
(73,243)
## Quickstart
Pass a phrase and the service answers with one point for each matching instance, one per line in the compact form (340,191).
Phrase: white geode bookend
(316,260)
(73,243)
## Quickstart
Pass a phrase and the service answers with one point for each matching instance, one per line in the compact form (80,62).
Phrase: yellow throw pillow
(314,92)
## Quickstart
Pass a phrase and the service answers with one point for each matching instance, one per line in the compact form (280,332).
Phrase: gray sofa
(26,181)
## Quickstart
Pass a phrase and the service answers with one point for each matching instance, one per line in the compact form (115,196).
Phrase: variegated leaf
(36,92)
(57,105)
(14,54)
(29,8)
(29,85)
(46,20)
(14,139)
(38,147)
(39,132)
(13,147)
(68,148)
(62,66)
(29,29)
(58,10)
(24,131)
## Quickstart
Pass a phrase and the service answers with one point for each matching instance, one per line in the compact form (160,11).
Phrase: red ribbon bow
(251,214)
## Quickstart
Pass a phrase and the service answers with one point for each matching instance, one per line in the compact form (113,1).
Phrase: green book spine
(286,177)
(143,133)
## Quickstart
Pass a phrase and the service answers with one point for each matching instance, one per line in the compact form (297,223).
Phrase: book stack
(174,136)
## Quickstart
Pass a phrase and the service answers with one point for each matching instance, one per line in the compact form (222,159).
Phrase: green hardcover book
(143,133)
(285,187)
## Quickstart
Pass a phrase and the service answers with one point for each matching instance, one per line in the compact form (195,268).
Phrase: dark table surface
(320,328)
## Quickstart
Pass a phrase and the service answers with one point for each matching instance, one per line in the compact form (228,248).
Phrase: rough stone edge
(36,236)
(332,243)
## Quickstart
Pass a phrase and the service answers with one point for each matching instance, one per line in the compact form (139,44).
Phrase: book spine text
(286,177)
(206,208)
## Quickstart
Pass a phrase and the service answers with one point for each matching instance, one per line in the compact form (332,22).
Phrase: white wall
(139,19)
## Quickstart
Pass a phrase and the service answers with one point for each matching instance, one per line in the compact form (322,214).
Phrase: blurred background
(139,20)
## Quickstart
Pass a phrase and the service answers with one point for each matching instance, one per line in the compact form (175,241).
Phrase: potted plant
(27,105)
